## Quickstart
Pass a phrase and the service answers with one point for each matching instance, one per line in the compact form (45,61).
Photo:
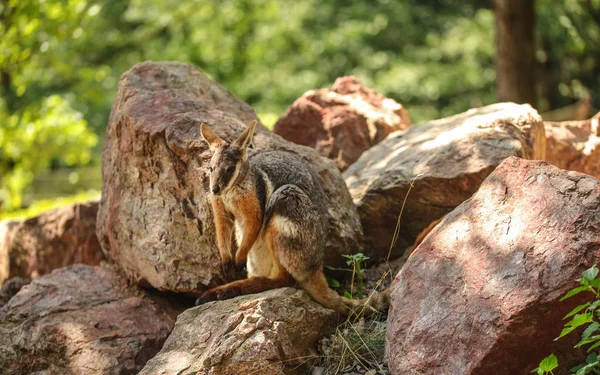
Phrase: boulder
(446,160)
(268,333)
(480,295)
(155,218)
(342,122)
(574,145)
(82,320)
(54,239)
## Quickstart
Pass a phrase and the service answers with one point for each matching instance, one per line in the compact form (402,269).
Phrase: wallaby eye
(231,169)
(210,169)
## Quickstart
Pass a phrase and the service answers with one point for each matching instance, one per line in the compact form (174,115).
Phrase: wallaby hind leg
(245,286)
(316,285)
(294,249)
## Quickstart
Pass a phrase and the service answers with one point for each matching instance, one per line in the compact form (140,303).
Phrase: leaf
(579,320)
(591,273)
(576,368)
(333,282)
(589,330)
(597,344)
(587,341)
(347,294)
(575,291)
(565,332)
(549,363)
(576,310)
(595,283)
(593,357)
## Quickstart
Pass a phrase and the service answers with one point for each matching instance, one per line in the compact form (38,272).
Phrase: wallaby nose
(216,190)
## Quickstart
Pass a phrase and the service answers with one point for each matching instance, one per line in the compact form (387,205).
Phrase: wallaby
(275,205)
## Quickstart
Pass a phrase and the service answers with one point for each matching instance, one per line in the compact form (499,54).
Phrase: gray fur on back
(284,168)
(298,196)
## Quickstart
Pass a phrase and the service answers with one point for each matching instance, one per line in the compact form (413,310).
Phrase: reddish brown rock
(82,320)
(55,239)
(342,122)
(446,159)
(574,145)
(480,295)
(155,219)
(270,333)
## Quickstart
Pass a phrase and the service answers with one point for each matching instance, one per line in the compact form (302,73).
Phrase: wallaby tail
(316,285)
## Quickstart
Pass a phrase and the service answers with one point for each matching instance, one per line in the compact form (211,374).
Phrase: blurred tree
(568,52)
(37,127)
(515,51)
(434,56)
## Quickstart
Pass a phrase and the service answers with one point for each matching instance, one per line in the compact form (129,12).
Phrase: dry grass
(355,342)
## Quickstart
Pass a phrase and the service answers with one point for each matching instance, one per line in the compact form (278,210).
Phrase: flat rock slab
(267,333)
(447,159)
(342,122)
(82,320)
(155,218)
(481,294)
(574,145)
(54,239)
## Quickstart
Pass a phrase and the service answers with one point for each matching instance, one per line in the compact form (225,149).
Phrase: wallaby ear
(245,138)
(211,138)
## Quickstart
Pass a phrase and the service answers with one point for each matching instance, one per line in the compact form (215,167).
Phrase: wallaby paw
(229,271)
(240,262)
(207,296)
(227,293)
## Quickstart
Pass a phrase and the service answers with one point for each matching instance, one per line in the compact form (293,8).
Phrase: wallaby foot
(241,287)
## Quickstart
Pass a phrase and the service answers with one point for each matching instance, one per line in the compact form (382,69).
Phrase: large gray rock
(267,333)
(155,219)
(447,159)
(82,320)
(54,239)
(342,122)
(480,295)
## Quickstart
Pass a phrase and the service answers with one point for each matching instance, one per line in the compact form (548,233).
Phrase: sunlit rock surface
(574,145)
(446,159)
(481,294)
(342,122)
(270,333)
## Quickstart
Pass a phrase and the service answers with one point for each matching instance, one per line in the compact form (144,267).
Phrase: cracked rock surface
(82,320)
(267,333)
(480,295)
(447,160)
(155,219)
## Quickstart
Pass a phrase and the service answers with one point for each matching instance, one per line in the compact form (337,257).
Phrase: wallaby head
(229,162)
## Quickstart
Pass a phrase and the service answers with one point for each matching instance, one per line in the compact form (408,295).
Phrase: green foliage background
(60,61)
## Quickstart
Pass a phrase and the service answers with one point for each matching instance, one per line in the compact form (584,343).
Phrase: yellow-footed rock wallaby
(273,203)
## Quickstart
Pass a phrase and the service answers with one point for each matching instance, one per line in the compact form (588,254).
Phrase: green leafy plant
(357,261)
(547,365)
(585,315)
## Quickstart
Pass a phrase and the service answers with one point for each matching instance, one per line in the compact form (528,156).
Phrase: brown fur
(281,241)
(248,210)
